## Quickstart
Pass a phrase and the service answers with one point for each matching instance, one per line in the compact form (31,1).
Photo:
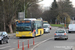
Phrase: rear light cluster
(55,34)
(64,33)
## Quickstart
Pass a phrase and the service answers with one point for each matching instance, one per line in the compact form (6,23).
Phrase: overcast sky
(47,3)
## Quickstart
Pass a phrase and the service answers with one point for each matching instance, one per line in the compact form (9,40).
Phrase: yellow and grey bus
(29,28)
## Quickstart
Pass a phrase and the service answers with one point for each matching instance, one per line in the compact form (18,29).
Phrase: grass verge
(58,25)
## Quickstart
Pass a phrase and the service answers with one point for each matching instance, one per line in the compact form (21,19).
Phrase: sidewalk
(13,34)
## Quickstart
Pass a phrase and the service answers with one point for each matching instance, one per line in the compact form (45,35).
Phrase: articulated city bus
(29,28)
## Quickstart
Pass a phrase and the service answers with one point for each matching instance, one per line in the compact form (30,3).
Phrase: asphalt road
(52,44)
(44,42)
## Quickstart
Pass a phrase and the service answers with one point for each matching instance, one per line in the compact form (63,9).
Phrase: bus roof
(30,19)
(27,19)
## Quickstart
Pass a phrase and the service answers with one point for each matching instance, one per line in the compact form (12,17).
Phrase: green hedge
(59,25)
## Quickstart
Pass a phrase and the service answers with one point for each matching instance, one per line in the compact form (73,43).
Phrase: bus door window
(32,26)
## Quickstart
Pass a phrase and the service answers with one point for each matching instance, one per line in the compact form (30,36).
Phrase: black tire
(66,38)
(40,33)
(1,42)
(55,39)
(69,31)
(50,28)
(20,37)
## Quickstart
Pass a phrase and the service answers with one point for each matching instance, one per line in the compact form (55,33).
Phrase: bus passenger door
(36,29)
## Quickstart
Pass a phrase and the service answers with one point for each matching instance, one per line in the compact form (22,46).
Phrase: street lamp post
(3,15)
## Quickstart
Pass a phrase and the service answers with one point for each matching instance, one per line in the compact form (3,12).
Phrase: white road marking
(63,47)
(40,43)
(5,47)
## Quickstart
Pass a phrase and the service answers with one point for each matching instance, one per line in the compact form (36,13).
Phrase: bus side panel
(40,32)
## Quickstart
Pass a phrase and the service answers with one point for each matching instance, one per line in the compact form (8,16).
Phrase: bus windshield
(23,27)
(26,28)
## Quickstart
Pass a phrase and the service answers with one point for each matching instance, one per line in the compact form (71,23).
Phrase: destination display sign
(23,21)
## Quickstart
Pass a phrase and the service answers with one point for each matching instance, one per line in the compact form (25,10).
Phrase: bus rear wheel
(40,33)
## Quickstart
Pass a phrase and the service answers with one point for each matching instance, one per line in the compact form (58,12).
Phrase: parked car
(4,37)
(61,34)
(46,22)
(46,28)
(71,28)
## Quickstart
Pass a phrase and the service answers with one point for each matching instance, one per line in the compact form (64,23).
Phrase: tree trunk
(10,28)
